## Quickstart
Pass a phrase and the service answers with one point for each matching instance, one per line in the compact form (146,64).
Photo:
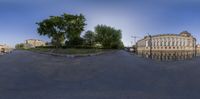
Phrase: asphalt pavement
(118,75)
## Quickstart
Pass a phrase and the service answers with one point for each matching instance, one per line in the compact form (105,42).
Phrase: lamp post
(195,51)
(150,44)
(135,40)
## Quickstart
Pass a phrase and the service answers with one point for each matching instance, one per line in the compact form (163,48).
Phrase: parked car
(131,49)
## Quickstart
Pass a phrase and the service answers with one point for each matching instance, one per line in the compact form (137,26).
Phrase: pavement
(118,75)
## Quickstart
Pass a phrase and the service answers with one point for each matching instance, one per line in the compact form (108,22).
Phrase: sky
(133,17)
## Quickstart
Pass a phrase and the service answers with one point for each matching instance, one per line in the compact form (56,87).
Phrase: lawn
(69,51)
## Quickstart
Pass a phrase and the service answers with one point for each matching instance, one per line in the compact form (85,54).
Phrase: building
(32,43)
(167,46)
(167,42)
(198,49)
(4,49)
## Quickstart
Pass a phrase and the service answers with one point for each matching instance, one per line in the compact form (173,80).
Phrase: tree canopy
(108,37)
(60,28)
(89,38)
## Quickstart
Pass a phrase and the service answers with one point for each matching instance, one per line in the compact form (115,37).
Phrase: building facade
(4,49)
(167,46)
(31,43)
(198,49)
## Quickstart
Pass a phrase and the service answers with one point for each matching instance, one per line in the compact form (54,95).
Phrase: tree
(76,42)
(61,28)
(89,38)
(108,37)
(19,46)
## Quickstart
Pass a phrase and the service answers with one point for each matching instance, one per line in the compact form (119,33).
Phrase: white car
(131,49)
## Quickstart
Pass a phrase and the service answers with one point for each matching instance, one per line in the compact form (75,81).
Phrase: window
(147,43)
(165,44)
(168,43)
(172,43)
(177,43)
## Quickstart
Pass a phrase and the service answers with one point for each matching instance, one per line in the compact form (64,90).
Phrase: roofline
(158,35)
(35,39)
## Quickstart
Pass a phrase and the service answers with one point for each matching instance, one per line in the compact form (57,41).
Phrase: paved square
(119,75)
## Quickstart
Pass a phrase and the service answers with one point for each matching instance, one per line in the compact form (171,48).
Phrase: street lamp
(150,45)
(135,40)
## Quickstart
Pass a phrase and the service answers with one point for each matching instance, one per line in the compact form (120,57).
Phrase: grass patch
(69,51)
(40,49)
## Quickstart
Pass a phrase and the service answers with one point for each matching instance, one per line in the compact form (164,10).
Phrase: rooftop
(34,39)
(183,34)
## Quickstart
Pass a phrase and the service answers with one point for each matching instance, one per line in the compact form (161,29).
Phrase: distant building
(167,42)
(4,49)
(198,49)
(32,43)
(167,46)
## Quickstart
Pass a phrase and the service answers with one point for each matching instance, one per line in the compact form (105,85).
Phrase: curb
(75,56)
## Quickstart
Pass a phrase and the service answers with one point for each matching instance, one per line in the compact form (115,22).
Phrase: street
(117,75)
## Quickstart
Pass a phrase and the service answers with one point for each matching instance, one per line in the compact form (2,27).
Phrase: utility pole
(131,43)
(195,48)
(135,38)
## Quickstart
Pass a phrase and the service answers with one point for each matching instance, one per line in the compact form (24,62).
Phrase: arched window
(168,43)
(189,43)
(155,43)
(186,42)
(162,44)
(152,43)
(183,43)
(177,43)
(180,43)
(172,43)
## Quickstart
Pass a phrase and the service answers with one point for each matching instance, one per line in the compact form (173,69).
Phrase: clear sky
(133,17)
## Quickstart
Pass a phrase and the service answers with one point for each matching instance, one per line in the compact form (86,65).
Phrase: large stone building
(31,43)
(167,45)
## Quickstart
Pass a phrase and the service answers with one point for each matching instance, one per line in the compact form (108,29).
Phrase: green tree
(75,43)
(108,37)
(89,38)
(19,46)
(60,28)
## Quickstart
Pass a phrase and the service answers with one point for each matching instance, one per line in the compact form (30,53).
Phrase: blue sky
(133,17)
